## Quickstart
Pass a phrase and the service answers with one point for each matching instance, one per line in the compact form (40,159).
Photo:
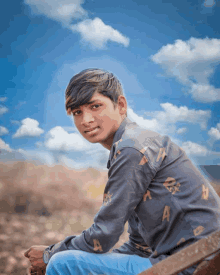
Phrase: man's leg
(76,262)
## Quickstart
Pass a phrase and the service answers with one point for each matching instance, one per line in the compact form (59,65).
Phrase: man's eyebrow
(88,103)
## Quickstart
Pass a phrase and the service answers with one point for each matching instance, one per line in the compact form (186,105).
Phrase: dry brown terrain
(43,205)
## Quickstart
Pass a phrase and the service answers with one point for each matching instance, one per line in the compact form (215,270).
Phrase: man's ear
(122,105)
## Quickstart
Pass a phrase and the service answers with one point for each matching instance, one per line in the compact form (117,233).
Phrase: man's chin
(93,139)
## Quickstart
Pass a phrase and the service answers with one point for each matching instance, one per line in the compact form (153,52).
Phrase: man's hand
(35,256)
(34,271)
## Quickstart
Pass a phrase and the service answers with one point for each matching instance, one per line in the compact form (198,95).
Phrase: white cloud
(3,131)
(29,128)
(176,141)
(164,122)
(173,114)
(3,110)
(151,124)
(61,143)
(60,140)
(93,31)
(3,99)
(214,133)
(42,156)
(194,149)
(181,131)
(96,32)
(60,10)
(5,146)
(205,93)
(154,124)
(70,128)
(192,63)
(209,3)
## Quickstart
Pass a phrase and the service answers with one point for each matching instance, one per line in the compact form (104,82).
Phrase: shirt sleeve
(136,244)
(127,183)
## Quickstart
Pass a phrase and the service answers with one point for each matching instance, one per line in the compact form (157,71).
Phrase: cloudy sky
(165,53)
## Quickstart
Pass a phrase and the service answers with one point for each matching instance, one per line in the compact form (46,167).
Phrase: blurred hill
(42,205)
(212,171)
(38,189)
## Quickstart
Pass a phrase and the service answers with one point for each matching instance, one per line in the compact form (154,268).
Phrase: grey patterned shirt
(154,186)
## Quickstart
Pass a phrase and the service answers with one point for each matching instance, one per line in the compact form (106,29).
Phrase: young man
(151,184)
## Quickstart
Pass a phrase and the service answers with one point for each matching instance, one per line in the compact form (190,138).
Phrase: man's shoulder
(153,146)
(137,137)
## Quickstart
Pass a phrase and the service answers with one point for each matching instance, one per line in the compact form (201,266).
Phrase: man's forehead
(95,98)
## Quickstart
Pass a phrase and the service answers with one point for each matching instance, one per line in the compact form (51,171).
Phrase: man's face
(98,120)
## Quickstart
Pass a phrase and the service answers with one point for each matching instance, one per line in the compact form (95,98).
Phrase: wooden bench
(193,254)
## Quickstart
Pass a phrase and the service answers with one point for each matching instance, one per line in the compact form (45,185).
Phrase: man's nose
(87,118)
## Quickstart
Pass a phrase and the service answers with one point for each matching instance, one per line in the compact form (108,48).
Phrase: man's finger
(36,271)
(26,252)
(29,271)
(32,271)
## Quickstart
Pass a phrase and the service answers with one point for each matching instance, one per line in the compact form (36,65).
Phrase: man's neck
(108,142)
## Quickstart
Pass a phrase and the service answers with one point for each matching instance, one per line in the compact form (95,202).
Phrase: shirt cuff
(46,254)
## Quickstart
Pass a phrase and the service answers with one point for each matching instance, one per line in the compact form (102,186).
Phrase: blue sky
(165,53)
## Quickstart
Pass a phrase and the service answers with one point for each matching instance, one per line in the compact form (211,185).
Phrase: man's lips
(91,129)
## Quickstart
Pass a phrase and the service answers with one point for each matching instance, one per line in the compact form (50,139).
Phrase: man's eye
(76,113)
(95,106)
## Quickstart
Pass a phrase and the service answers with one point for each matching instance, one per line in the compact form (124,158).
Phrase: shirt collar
(117,136)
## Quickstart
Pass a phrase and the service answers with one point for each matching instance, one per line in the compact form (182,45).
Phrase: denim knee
(58,264)
(52,263)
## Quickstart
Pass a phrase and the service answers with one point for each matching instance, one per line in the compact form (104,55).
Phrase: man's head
(95,98)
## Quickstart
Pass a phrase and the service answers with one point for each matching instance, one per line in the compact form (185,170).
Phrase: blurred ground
(43,205)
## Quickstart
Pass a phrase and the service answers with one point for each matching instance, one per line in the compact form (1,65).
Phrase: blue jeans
(84,263)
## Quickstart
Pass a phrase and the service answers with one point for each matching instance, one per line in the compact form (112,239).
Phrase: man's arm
(136,244)
(125,188)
